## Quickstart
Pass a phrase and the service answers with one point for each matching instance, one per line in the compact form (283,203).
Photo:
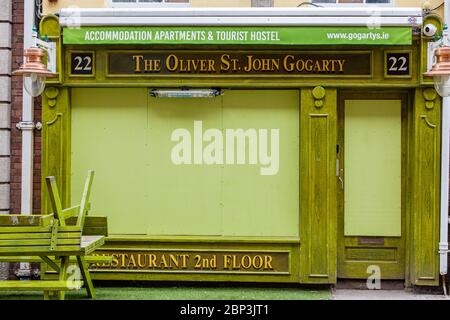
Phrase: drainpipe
(445,163)
(5,115)
(27,127)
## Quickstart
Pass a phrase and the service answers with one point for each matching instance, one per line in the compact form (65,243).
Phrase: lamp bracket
(48,46)
(28,125)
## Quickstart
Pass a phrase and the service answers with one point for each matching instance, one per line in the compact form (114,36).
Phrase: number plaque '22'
(82,63)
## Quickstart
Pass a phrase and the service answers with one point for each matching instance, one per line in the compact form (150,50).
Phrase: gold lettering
(163,263)
(174,260)
(211,67)
(172,62)
(246,262)
(140,264)
(122,264)
(309,65)
(288,64)
(226,261)
(268,263)
(131,261)
(185,261)
(257,262)
(225,62)
(115,260)
(325,65)
(341,65)
(152,261)
(248,67)
(137,63)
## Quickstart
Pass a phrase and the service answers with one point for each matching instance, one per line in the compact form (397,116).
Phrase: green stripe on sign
(239,35)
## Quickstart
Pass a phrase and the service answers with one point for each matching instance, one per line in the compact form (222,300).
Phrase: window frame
(161,4)
(391,3)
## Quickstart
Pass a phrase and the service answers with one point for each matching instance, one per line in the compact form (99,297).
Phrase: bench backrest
(40,234)
(79,211)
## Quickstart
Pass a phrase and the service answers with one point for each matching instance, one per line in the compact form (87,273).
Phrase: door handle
(339,172)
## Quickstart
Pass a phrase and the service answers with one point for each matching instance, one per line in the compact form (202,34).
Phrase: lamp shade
(33,64)
(34,72)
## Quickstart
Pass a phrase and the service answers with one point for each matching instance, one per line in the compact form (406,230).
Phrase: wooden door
(370,170)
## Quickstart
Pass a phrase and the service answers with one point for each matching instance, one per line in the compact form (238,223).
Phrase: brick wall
(16,112)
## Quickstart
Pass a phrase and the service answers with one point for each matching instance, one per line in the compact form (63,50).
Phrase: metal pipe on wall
(445,163)
(27,127)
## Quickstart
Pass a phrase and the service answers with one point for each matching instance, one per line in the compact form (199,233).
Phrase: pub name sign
(239,63)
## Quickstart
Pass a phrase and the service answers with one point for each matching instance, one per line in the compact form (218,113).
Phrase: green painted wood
(38,285)
(25,220)
(112,109)
(71,212)
(63,275)
(34,242)
(51,263)
(85,199)
(254,204)
(84,268)
(318,187)
(356,254)
(425,158)
(209,193)
(93,225)
(55,145)
(88,259)
(373,167)
(55,200)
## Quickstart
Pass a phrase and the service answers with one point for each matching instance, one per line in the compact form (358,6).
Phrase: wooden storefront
(339,174)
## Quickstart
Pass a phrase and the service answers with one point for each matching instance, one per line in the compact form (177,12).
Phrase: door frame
(404,97)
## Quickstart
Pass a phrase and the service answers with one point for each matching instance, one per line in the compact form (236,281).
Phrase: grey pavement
(358,294)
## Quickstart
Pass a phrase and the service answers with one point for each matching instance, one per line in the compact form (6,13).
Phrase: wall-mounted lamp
(185,93)
(441,71)
(33,70)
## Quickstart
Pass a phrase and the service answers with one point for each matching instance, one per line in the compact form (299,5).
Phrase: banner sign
(238,35)
(192,261)
(239,63)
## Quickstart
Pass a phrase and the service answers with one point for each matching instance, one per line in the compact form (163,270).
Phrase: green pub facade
(282,151)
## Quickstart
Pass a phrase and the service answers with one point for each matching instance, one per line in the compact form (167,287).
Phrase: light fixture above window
(185,93)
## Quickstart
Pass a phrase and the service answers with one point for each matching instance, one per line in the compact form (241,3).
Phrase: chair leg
(63,275)
(84,268)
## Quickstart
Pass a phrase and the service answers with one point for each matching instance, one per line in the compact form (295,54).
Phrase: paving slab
(356,294)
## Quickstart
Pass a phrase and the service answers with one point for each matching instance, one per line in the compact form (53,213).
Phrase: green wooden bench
(56,240)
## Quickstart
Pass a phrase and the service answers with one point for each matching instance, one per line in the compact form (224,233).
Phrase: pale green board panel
(109,129)
(183,199)
(372,168)
(256,204)
(125,136)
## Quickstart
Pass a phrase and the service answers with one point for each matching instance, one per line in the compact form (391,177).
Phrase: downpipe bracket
(29,126)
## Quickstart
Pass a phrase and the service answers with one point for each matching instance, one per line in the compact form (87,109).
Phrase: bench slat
(25,220)
(40,285)
(19,229)
(71,212)
(89,259)
(37,242)
(41,250)
(25,235)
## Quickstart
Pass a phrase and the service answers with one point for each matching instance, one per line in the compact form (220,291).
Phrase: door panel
(370,171)
(372,203)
